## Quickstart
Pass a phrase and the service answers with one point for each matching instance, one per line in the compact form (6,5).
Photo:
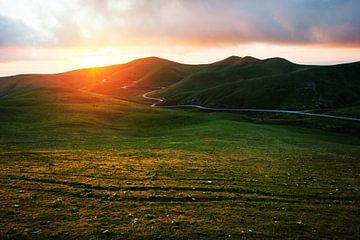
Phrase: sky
(47,36)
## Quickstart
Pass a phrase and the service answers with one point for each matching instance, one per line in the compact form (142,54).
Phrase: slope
(115,168)
(271,83)
(234,82)
(123,81)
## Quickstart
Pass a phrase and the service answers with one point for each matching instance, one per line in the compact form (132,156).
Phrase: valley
(84,155)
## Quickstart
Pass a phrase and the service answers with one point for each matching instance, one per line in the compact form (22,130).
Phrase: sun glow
(95,61)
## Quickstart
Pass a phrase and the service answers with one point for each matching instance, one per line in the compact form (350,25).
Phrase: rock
(192,198)
(74,209)
(16,206)
(45,222)
(152,176)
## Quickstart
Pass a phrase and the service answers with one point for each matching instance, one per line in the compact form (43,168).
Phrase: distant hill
(270,83)
(237,82)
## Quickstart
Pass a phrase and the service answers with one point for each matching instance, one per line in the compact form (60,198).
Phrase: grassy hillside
(272,83)
(229,71)
(123,81)
(116,169)
(233,82)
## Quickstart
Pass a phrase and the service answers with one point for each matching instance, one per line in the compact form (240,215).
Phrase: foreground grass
(109,169)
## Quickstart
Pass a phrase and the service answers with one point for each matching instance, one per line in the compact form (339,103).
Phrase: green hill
(236,82)
(123,81)
(271,83)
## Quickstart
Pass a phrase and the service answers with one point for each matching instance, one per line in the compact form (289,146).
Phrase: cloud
(14,32)
(330,22)
(183,22)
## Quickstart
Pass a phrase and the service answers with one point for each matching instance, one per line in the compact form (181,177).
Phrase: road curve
(303,113)
(157,100)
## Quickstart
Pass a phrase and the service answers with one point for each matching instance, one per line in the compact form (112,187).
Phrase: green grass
(268,84)
(349,111)
(81,165)
(233,82)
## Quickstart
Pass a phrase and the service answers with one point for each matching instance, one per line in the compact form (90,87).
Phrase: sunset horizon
(72,34)
(98,62)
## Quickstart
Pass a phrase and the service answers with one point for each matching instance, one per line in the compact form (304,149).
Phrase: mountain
(236,82)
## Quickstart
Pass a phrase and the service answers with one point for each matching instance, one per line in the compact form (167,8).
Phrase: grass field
(81,165)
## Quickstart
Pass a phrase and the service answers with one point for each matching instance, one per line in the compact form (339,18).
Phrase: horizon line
(178,62)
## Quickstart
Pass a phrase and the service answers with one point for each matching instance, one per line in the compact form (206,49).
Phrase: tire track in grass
(174,189)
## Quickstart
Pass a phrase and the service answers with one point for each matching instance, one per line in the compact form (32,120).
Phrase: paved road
(157,100)
(304,113)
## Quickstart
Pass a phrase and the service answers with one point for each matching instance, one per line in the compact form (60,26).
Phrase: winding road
(159,100)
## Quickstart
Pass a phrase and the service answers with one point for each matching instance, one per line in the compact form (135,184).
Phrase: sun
(95,61)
